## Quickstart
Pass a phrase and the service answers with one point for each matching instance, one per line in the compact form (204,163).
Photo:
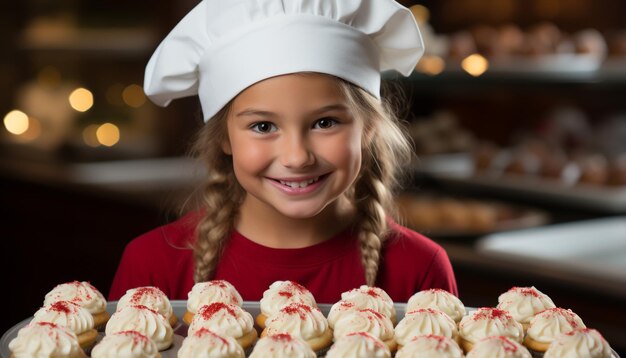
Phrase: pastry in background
(358,344)
(151,297)
(369,321)
(83,294)
(591,42)
(72,316)
(617,171)
(594,169)
(226,320)
(204,293)
(425,321)
(547,325)
(283,345)
(523,303)
(581,342)
(486,322)
(206,344)
(45,340)
(127,344)
(143,320)
(438,299)
(280,294)
(498,346)
(430,346)
(302,321)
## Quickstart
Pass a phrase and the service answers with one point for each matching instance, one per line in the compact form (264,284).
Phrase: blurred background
(517,112)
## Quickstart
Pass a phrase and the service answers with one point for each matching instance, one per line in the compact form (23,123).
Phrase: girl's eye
(263,127)
(325,123)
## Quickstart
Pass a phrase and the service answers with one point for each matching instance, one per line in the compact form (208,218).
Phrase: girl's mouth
(299,184)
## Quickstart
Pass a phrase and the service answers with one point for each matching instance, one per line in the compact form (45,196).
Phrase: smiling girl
(302,155)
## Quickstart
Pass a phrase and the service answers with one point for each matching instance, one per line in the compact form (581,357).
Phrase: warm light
(432,65)
(89,135)
(49,76)
(81,99)
(133,96)
(420,12)
(108,134)
(16,122)
(475,64)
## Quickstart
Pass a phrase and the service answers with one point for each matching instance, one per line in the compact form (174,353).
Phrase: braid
(386,151)
(220,200)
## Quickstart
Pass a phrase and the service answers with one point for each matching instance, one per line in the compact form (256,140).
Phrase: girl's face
(295,144)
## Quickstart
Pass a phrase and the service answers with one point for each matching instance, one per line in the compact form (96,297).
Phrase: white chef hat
(223,46)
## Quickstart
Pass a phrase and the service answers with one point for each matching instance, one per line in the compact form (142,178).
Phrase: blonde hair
(386,150)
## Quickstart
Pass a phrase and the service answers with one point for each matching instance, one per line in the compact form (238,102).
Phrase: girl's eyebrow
(263,113)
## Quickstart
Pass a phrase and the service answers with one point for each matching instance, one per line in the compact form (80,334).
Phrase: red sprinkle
(203,332)
(218,283)
(137,337)
(565,313)
(66,307)
(374,313)
(207,311)
(526,291)
(508,345)
(140,292)
(491,313)
(441,341)
(369,337)
(372,292)
(297,308)
(282,337)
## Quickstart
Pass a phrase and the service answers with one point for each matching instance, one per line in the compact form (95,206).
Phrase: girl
(302,154)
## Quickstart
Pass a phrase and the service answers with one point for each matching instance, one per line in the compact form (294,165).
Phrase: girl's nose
(296,152)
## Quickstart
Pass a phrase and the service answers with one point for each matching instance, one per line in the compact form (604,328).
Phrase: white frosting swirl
(143,320)
(282,293)
(339,309)
(206,344)
(44,340)
(524,302)
(430,346)
(282,345)
(371,297)
(299,320)
(364,320)
(204,293)
(545,326)
(81,293)
(498,346)
(486,322)
(582,342)
(223,319)
(438,299)
(67,314)
(425,321)
(149,296)
(127,344)
(360,344)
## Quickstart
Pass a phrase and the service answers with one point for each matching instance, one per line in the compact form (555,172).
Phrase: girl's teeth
(299,184)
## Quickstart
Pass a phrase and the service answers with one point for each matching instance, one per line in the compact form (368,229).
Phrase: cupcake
(145,321)
(302,321)
(430,346)
(438,299)
(128,344)
(498,346)
(523,303)
(151,297)
(206,344)
(367,320)
(358,344)
(545,326)
(425,321)
(45,339)
(486,322)
(280,294)
(71,316)
(581,342)
(282,345)
(84,295)
(204,293)
(226,320)
(371,298)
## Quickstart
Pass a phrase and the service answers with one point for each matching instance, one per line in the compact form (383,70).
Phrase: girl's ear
(226,147)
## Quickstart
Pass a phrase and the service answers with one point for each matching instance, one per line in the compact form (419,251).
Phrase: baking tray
(180,330)
(458,170)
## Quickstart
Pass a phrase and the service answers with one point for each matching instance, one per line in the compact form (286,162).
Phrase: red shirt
(409,263)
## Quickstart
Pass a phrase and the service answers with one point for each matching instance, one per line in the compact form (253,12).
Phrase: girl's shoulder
(179,233)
